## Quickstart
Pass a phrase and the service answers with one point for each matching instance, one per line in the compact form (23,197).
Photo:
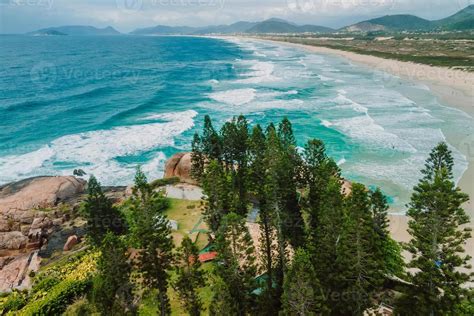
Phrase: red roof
(207,256)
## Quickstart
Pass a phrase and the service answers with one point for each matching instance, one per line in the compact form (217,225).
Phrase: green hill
(462,20)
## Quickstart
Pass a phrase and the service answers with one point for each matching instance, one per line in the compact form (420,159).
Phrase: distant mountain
(165,30)
(49,33)
(281,26)
(239,27)
(76,30)
(268,26)
(462,20)
(399,22)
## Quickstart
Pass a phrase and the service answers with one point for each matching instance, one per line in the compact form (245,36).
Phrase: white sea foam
(341,161)
(326,123)
(365,130)
(96,151)
(260,72)
(234,97)
(343,100)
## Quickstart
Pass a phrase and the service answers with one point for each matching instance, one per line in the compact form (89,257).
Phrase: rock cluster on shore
(31,212)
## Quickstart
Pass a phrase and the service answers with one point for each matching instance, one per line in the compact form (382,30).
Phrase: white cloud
(126,15)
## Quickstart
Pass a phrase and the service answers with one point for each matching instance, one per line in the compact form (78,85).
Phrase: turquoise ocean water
(108,104)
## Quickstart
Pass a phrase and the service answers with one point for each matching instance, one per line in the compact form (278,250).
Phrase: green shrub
(162,182)
(45,284)
(57,300)
(13,302)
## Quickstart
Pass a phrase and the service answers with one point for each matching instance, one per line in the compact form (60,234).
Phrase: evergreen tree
(152,236)
(437,240)
(235,136)
(197,158)
(100,213)
(273,204)
(289,164)
(211,142)
(268,300)
(319,170)
(112,290)
(235,268)
(360,274)
(217,189)
(285,133)
(439,158)
(387,249)
(303,295)
(325,241)
(190,277)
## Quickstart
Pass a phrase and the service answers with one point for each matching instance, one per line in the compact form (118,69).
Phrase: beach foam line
(234,97)
(261,71)
(97,150)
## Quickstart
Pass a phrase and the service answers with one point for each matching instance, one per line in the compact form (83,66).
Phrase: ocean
(108,104)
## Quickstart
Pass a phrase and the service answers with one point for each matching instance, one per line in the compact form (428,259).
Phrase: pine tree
(268,300)
(359,275)
(387,249)
(325,242)
(289,163)
(303,295)
(439,158)
(190,277)
(319,169)
(235,268)
(217,189)
(285,133)
(273,204)
(234,135)
(437,240)
(211,142)
(197,158)
(100,213)
(112,290)
(152,235)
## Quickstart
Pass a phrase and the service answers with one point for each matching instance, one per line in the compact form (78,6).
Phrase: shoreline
(452,88)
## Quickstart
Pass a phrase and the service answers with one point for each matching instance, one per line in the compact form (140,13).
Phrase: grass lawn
(187,214)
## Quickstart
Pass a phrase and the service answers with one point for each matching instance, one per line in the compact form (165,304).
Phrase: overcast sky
(20,16)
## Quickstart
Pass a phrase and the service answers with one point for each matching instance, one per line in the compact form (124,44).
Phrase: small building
(207,256)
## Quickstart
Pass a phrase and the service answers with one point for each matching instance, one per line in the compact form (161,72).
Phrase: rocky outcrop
(179,165)
(37,193)
(31,211)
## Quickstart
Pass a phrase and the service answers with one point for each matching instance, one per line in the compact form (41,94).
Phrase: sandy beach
(454,88)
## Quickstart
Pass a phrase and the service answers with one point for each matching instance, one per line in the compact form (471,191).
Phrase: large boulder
(13,240)
(71,242)
(179,165)
(40,192)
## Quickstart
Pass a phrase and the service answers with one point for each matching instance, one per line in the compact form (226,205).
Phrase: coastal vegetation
(446,49)
(323,245)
